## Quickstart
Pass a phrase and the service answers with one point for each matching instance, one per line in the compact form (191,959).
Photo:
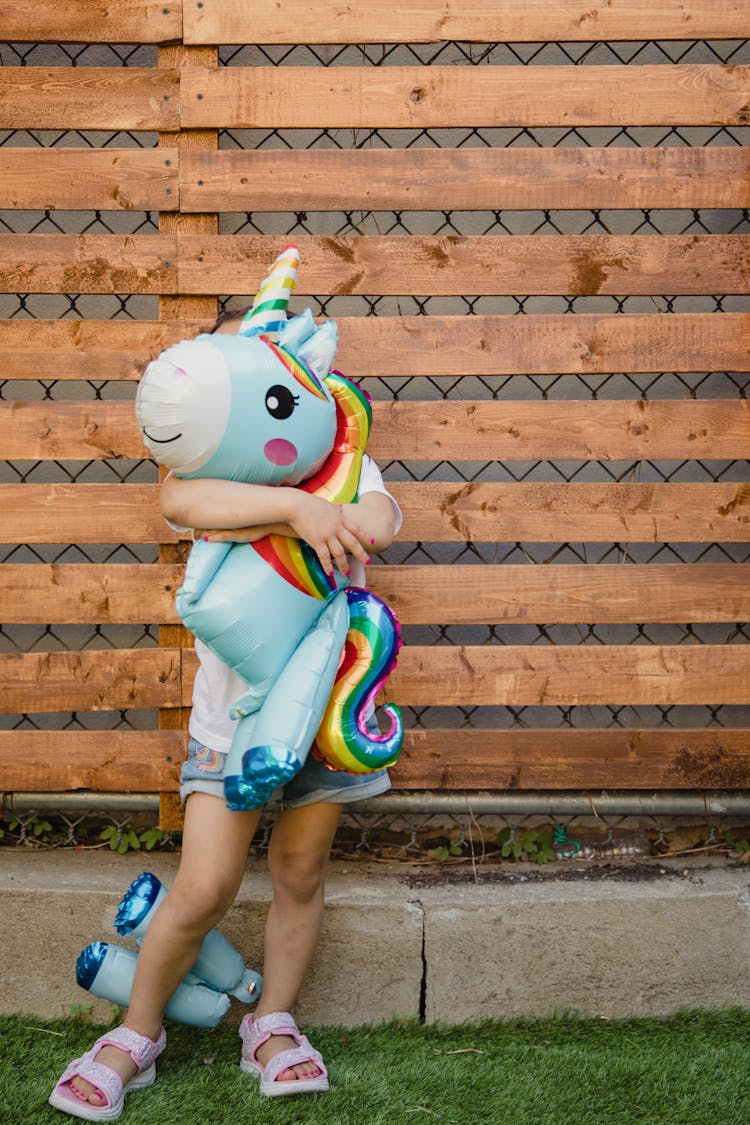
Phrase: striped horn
(268,314)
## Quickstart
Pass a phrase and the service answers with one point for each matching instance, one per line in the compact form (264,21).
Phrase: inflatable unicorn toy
(201,998)
(264,407)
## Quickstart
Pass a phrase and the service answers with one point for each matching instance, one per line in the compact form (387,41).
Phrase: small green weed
(738,849)
(454,848)
(532,845)
(126,838)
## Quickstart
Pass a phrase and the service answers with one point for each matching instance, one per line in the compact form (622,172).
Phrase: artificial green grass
(690,1069)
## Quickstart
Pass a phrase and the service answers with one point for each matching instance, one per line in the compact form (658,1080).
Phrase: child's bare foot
(117,1060)
(274,1046)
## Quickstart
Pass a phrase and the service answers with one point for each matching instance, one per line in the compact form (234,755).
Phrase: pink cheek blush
(280,452)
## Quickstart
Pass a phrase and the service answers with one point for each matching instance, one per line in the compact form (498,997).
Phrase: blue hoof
(264,769)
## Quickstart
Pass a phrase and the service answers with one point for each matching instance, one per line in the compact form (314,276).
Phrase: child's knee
(297,874)
(199,904)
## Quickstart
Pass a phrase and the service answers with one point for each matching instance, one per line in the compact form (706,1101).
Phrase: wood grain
(434,346)
(75,593)
(573,759)
(598,430)
(562,675)
(478,21)
(464,179)
(492,265)
(70,179)
(110,761)
(88,263)
(420,97)
(95,21)
(94,680)
(483,512)
(89,97)
(144,761)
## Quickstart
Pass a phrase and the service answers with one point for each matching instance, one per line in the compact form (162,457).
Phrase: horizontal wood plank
(464,179)
(454,346)
(147,761)
(81,593)
(561,675)
(94,680)
(573,759)
(88,349)
(126,179)
(74,593)
(420,97)
(497,675)
(492,265)
(88,263)
(608,593)
(482,512)
(70,513)
(109,761)
(387,265)
(95,21)
(478,21)
(587,513)
(89,97)
(598,430)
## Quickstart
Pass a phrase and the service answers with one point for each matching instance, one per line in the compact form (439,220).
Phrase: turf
(689,1069)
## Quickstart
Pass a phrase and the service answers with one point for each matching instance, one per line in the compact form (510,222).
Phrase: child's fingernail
(348,573)
(372,540)
(205,539)
(368,561)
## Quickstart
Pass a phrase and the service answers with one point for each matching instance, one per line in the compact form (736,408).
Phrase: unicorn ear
(298,329)
(319,351)
(268,314)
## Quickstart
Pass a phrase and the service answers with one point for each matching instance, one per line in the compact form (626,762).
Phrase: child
(216,839)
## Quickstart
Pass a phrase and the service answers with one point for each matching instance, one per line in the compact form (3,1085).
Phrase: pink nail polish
(205,539)
(368,561)
(372,540)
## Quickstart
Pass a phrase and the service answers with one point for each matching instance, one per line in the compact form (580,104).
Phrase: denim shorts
(203,772)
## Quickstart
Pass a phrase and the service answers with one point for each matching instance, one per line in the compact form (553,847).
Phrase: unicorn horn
(268,314)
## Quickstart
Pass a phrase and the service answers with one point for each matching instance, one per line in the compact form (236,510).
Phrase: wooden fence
(188,180)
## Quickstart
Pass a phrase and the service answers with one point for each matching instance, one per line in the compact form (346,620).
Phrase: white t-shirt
(217,687)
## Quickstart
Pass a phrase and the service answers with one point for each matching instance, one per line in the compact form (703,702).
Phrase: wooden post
(172,308)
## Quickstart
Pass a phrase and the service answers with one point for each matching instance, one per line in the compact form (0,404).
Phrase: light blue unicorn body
(250,409)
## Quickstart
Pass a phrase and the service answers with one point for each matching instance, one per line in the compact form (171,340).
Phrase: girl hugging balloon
(267,451)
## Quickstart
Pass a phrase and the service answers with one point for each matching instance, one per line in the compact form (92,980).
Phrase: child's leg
(215,843)
(297,859)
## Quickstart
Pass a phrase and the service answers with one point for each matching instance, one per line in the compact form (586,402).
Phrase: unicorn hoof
(264,769)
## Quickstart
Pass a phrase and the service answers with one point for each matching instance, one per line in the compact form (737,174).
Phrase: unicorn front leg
(270,746)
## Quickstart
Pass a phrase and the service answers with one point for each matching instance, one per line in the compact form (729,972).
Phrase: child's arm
(247,512)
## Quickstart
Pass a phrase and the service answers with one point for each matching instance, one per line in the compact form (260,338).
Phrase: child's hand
(329,529)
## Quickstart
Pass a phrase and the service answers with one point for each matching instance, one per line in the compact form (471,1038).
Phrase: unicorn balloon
(264,407)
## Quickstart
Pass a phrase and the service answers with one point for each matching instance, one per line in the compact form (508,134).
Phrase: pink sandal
(142,1051)
(255,1032)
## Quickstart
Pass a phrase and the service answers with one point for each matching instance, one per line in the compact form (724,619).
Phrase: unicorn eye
(280,402)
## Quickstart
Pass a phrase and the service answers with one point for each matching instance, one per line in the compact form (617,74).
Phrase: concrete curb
(398,941)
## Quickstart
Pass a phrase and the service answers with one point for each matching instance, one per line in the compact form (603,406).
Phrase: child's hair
(229,314)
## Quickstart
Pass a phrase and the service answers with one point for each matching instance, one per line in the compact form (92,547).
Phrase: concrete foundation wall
(394,945)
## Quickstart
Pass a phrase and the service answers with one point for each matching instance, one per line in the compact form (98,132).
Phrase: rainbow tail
(345,738)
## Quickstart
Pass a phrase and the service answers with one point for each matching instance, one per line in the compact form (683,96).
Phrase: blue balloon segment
(107,971)
(264,769)
(89,963)
(218,965)
(136,903)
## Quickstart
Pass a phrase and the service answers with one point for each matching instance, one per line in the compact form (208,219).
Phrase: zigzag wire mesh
(501,223)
